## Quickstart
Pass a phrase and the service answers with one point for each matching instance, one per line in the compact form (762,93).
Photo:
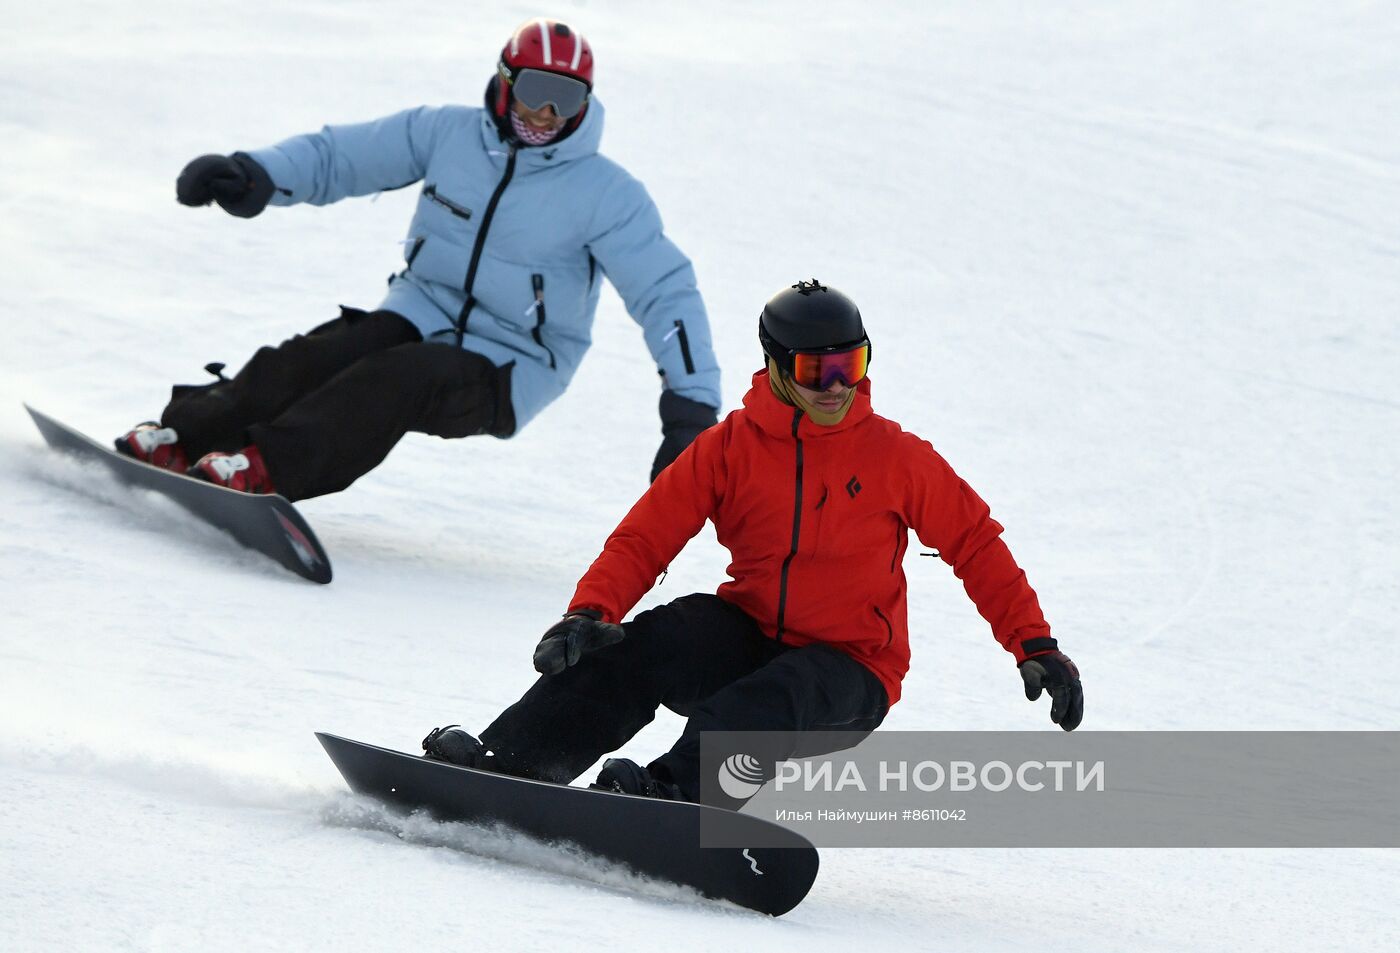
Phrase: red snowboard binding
(244,471)
(151,443)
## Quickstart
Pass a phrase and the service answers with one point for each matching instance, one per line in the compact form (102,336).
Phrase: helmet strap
(786,391)
(502,104)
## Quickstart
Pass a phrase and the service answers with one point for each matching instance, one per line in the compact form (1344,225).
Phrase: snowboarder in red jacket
(814,495)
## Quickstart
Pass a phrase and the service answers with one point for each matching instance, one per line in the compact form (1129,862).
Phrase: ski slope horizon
(1131,268)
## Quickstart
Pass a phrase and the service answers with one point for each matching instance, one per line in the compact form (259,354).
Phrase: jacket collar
(775,417)
(583,142)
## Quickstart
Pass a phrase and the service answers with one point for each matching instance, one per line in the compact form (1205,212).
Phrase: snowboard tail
(654,838)
(268,524)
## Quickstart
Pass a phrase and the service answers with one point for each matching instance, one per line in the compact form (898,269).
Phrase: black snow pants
(326,407)
(704,659)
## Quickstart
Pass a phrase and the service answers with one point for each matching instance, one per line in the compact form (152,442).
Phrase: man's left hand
(1057,674)
(573,637)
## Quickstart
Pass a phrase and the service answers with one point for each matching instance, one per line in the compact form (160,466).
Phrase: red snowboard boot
(151,443)
(244,470)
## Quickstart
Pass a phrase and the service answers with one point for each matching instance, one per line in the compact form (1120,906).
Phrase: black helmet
(809,316)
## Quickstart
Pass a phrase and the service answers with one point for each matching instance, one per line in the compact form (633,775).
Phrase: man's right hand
(240,186)
(573,637)
(1054,672)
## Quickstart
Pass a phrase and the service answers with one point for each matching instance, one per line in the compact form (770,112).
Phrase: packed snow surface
(1133,268)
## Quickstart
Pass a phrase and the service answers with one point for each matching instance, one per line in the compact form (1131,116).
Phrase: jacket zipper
(460,211)
(461,323)
(413,252)
(888,628)
(796,530)
(685,351)
(537,283)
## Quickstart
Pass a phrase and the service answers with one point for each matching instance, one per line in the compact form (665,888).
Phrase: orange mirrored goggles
(818,370)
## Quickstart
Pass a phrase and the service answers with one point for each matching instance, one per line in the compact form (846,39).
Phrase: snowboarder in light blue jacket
(519,218)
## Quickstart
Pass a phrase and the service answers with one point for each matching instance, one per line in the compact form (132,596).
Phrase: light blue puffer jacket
(566,217)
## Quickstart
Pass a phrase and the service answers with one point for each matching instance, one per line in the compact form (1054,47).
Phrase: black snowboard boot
(624,776)
(453,745)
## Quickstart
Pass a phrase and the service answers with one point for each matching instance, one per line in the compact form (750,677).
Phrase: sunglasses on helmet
(537,89)
(818,370)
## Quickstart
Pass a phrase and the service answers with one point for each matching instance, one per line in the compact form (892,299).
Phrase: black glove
(682,420)
(236,182)
(572,637)
(1057,674)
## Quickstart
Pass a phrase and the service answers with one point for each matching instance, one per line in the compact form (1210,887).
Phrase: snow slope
(1133,268)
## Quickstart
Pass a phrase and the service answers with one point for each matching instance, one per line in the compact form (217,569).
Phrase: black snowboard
(266,523)
(659,839)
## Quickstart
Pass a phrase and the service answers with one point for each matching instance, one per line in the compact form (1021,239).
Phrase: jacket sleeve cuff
(281,171)
(1032,646)
(597,614)
(682,413)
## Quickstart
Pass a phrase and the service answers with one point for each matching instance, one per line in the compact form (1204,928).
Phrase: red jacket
(817,520)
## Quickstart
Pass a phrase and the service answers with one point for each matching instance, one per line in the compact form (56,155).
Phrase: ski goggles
(818,370)
(536,89)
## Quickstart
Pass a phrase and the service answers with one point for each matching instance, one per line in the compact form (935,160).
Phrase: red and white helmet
(546,45)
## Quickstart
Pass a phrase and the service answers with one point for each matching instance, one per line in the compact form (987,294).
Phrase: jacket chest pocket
(816,516)
(452,206)
(844,516)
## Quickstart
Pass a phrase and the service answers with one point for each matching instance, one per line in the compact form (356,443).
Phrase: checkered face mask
(529,135)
